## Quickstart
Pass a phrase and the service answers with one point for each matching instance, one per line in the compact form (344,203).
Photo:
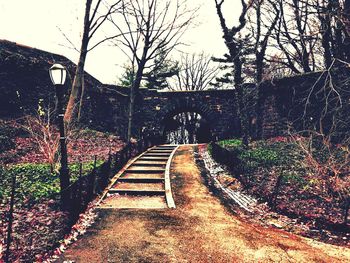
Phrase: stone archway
(201,127)
(215,106)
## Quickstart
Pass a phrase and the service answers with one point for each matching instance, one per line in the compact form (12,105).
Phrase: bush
(36,181)
(286,173)
(260,156)
(231,143)
(8,131)
(11,129)
(6,143)
(74,169)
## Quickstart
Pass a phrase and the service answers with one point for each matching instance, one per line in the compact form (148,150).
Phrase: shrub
(261,156)
(8,131)
(35,181)
(231,143)
(6,143)
(290,171)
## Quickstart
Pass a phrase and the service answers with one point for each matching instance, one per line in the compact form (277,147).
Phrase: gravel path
(200,229)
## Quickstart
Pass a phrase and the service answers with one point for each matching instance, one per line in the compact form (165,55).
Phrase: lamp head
(58,74)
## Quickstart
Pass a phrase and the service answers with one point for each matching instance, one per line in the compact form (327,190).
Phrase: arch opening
(186,127)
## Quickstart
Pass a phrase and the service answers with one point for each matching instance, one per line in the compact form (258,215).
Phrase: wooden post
(95,162)
(275,193)
(346,211)
(80,183)
(109,171)
(116,161)
(94,176)
(80,169)
(10,219)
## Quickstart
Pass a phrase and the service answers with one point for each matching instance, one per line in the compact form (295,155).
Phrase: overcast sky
(37,23)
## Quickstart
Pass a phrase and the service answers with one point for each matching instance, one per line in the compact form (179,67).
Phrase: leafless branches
(233,41)
(309,34)
(262,23)
(147,27)
(44,134)
(196,72)
(93,20)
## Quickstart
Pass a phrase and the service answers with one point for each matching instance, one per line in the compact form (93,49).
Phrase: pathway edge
(168,193)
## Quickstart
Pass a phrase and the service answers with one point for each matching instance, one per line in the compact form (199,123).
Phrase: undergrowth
(37,181)
(292,180)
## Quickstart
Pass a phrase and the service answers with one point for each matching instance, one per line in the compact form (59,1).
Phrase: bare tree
(45,136)
(310,34)
(233,41)
(335,29)
(323,125)
(146,27)
(297,36)
(262,24)
(196,72)
(93,20)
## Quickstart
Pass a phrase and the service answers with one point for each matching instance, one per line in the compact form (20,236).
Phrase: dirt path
(200,229)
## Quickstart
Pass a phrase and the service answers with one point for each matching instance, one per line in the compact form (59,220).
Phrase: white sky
(35,23)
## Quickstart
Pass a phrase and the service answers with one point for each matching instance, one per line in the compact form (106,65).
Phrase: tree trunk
(81,96)
(347,29)
(134,90)
(304,55)
(326,36)
(131,112)
(238,80)
(259,76)
(339,48)
(77,85)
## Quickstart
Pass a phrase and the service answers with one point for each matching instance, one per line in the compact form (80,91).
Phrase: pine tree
(162,70)
(128,77)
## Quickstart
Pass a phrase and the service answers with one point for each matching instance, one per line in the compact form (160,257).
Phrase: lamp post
(58,75)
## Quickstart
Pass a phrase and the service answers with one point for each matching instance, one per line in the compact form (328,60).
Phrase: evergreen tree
(128,77)
(162,70)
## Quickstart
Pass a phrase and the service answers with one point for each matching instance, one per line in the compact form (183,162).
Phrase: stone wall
(299,101)
(24,81)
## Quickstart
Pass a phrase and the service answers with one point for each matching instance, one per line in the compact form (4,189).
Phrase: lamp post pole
(58,77)
(64,172)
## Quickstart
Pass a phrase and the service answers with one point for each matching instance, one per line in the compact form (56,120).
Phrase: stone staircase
(143,183)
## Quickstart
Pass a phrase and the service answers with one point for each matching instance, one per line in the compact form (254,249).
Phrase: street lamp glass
(58,74)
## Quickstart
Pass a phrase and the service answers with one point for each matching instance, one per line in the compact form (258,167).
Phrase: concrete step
(160,151)
(141,179)
(142,175)
(165,147)
(136,192)
(149,163)
(156,155)
(139,186)
(145,169)
(156,158)
(142,184)
(135,201)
